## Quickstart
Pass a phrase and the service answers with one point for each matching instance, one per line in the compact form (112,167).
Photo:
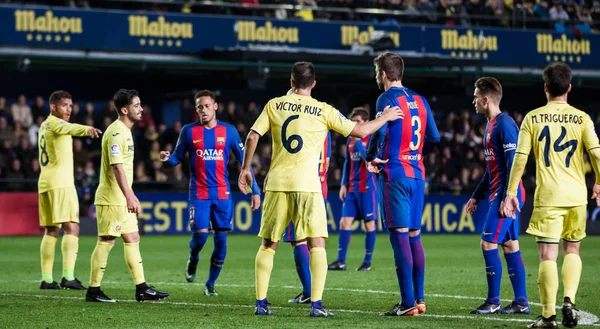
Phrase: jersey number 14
(557,145)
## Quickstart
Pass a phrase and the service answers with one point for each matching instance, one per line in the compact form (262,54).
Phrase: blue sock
(345,236)
(196,244)
(418,255)
(369,246)
(404,266)
(302,258)
(317,304)
(218,257)
(493,271)
(516,273)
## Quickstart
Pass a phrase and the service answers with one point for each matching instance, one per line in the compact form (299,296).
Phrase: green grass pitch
(455,284)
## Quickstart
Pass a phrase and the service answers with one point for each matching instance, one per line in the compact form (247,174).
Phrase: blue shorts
(497,229)
(288,235)
(211,214)
(360,205)
(402,203)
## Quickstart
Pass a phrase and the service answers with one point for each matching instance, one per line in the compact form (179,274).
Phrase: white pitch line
(586,318)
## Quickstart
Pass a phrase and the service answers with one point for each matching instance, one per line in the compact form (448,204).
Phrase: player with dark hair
(208,144)
(116,204)
(58,202)
(500,143)
(298,124)
(556,133)
(396,152)
(358,193)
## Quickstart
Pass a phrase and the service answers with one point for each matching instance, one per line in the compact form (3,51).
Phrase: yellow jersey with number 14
(558,134)
(55,148)
(298,126)
(117,148)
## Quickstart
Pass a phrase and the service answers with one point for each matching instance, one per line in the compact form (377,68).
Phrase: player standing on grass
(116,204)
(298,124)
(58,202)
(208,144)
(359,196)
(499,143)
(301,252)
(402,178)
(556,133)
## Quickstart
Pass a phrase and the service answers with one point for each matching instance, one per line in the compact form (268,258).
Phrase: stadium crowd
(581,15)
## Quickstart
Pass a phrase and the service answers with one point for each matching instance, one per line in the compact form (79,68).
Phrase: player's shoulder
(505,120)
(228,126)
(189,126)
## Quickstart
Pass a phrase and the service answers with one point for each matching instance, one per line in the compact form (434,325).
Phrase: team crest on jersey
(62,122)
(115,150)
(220,140)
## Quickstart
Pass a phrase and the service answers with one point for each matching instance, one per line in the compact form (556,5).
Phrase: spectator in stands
(33,131)
(16,176)
(426,8)
(187,111)
(146,118)
(39,108)
(80,154)
(306,14)
(109,112)
(231,115)
(4,112)
(87,114)
(558,14)
(6,131)
(25,152)
(21,112)
(140,172)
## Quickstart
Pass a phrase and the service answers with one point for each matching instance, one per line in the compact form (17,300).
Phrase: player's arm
(116,162)
(238,149)
(517,168)
(432,135)
(377,139)
(328,155)
(389,113)
(74,129)
(260,127)
(478,194)
(345,176)
(590,140)
(180,149)
(509,137)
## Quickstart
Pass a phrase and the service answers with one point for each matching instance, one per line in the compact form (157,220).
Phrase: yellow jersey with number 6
(298,126)
(55,148)
(558,133)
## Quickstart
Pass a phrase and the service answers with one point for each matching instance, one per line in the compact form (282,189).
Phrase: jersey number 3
(288,140)
(415,122)
(557,146)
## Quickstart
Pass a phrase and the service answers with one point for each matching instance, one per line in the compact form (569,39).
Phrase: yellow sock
(134,261)
(263,267)
(69,246)
(318,272)
(571,273)
(98,262)
(47,256)
(548,287)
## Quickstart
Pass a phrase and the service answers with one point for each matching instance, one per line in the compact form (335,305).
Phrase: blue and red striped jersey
(500,143)
(209,151)
(402,141)
(355,174)
(323,159)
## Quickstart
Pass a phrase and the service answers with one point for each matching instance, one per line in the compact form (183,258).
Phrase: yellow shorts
(115,221)
(305,209)
(550,224)
(58,206)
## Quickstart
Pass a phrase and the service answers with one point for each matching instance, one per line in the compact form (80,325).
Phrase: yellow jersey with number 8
(298,125)
(558,133)
(55,148)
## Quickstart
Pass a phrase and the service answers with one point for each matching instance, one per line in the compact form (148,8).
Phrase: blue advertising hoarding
(167,213)
(180,33)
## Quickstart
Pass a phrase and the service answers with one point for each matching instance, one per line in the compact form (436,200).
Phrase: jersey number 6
(287,141)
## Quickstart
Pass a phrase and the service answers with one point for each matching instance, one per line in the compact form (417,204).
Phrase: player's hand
(255,202)
(392,113)
(245,180)
(511,204)
(164,155)
(596,194)
(373,166)
(94,132)
(343,191)
(471,206)
(133,204)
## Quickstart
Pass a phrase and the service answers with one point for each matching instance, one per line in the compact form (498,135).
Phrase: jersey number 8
(287,140)
(44,154)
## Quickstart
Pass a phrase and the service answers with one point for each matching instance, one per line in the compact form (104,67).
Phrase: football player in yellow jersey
(558,133)
(116,204)
(298,125)
(58,203)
